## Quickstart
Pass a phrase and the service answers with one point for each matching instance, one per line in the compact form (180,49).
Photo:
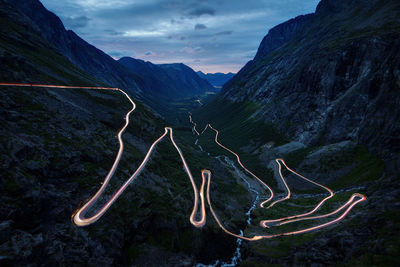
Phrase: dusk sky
(211,36)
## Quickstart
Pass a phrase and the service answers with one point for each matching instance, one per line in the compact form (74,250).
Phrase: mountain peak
(168,80)
(280,34)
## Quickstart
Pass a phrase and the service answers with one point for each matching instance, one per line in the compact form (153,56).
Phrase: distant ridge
(168,80)
(216,79)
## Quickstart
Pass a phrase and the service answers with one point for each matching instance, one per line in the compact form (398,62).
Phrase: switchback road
(353,200)
(199,210)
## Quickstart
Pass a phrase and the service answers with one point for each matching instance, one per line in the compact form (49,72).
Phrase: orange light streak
(80,219)
(79,215)
(241,164)
(264,223)
(284,220)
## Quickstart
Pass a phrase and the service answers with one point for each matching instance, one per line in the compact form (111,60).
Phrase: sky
(207,35)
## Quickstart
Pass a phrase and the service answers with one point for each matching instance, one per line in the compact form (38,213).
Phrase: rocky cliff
(279,35)
(323,93)
(335,77)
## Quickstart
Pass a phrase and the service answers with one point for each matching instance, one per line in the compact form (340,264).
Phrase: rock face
(330,76)
(168,80)
(329,83)
(216,79)
(280,34)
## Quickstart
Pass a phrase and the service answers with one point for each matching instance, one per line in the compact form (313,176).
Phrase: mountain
(58,145)
(168,80)
(324,97)
(216,79)
(328,82)
(75,49)
(323,93)
(142,84)
(186,76)
(280,34)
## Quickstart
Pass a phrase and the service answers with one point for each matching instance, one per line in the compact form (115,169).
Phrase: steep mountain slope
(280,34)
(216,79)
(26,57)
(187,77)
(333,80)
(75,49)
(329,83)
(171,83)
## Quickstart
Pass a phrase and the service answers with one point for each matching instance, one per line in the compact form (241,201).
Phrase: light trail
(240,162)
(264,223)
(302,231)
(79,215)
(79,219)
(284,220)
(57,86)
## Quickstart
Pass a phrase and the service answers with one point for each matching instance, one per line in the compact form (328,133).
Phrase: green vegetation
(368,168)
(235,123)
(134,251)
(294,158)
(379,14)
(387,236)
(237,130)
(364,166)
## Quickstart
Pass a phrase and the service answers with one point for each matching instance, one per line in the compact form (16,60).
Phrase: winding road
(353,200)
(198,214)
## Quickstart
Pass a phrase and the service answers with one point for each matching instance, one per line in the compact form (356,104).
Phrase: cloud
(113,32)
(76,22)
(224,33)
(200,27)
(191,50)
(171,31)
(143,33)
(202,11)
(148,53)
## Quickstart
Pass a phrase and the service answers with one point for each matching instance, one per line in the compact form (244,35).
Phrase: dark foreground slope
(331,88)
(57,145)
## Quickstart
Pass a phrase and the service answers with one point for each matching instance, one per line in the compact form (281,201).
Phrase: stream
(237,256)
